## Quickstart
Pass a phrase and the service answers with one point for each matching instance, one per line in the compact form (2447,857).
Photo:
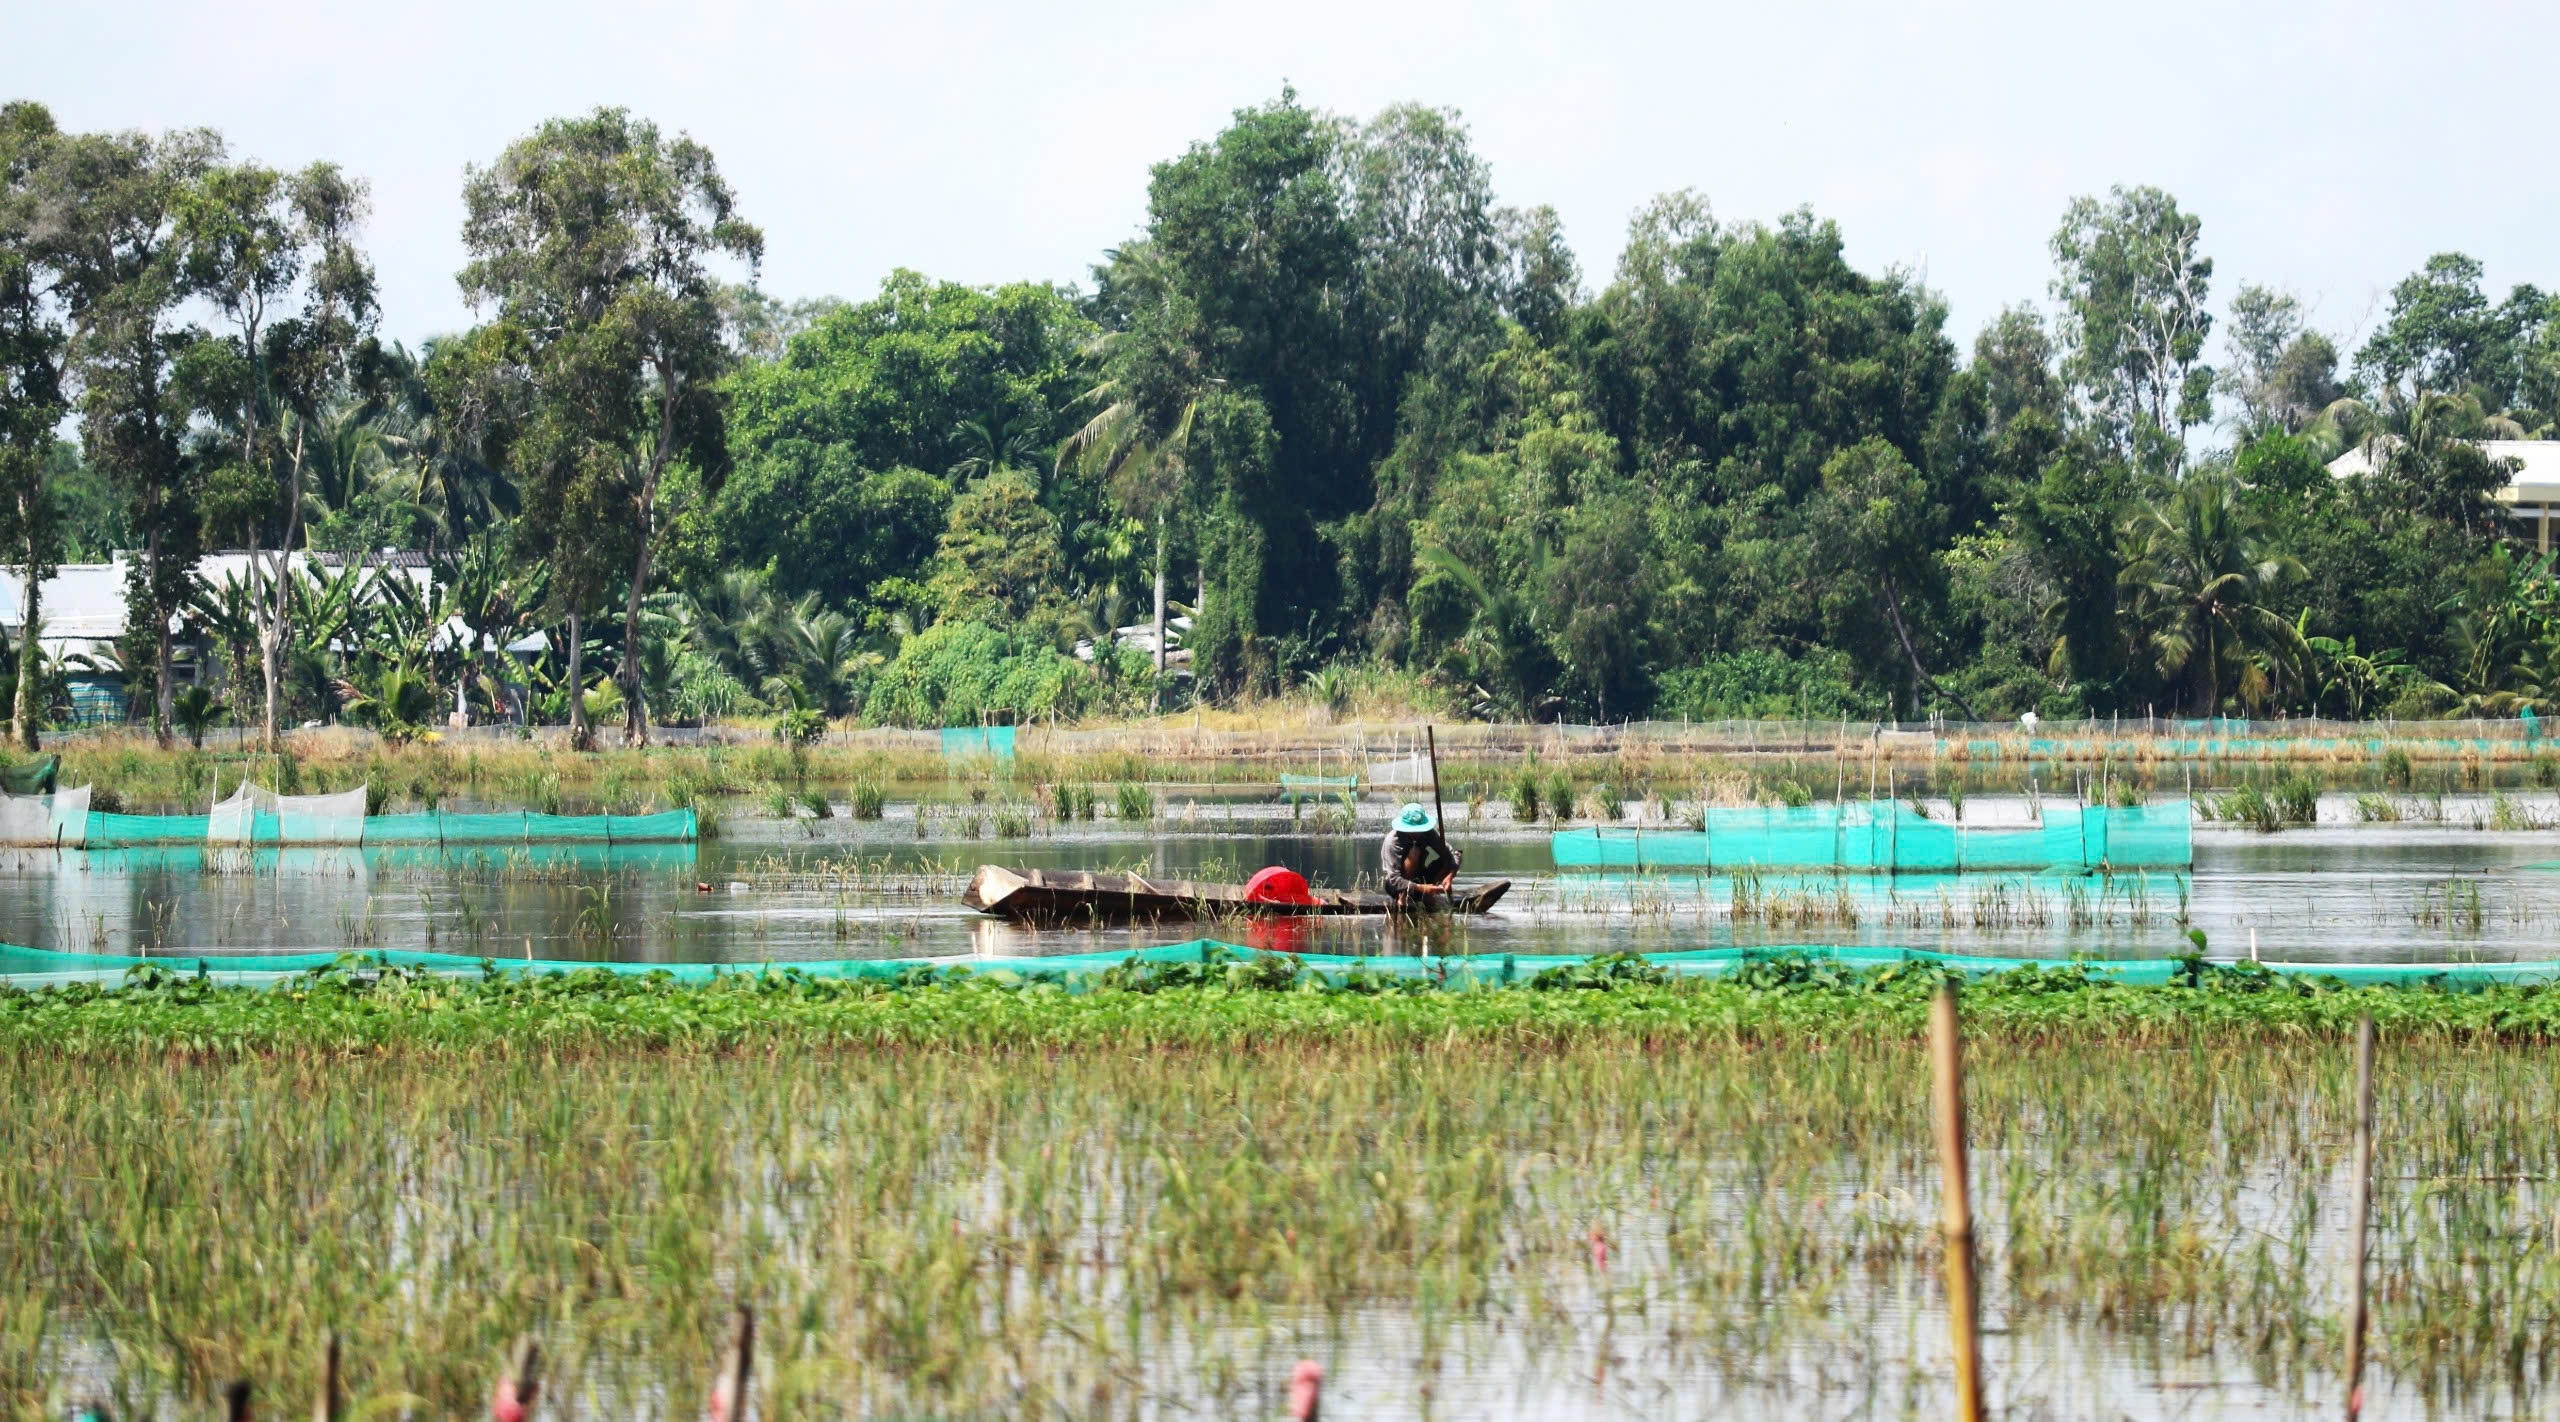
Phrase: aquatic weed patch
(1222,1000)
(965,1198)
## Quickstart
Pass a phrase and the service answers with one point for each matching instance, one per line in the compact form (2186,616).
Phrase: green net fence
(962,742)
(1887,837)
(33,968)
(65,821)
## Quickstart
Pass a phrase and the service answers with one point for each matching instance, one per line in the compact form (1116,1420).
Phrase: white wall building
(2533,497)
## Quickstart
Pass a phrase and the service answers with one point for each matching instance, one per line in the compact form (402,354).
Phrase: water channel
(2441,885)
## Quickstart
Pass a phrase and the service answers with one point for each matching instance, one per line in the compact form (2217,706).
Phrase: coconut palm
(994,445)
(2200,578)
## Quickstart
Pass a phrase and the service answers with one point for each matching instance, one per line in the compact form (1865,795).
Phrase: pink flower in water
(1599,1248)
(1306,1391)
(506,1406)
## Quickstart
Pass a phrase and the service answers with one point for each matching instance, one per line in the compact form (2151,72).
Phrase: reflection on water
(2383,893)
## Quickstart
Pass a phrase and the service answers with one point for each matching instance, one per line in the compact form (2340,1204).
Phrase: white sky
(2329,147)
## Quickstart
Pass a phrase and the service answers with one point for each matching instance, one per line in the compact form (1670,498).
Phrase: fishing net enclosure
(1887,837)
(256,817)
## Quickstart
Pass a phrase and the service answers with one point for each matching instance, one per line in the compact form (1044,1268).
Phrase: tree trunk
(165,702)
(1160,653)
(281,625)
(30,659)
(581,735)
(263,592)
(1919,674)
(635,705)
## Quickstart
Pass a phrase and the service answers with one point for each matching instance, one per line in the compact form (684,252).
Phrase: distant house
(2533,498)
(82,611)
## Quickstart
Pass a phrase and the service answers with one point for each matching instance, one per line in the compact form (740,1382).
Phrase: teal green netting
(35,967)
(1887,837)
(961,742)
(432,827)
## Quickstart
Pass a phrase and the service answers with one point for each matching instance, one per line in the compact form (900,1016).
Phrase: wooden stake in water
(1946,1070)
(324,1408)
(2359,1211)
(729,1390)
(520,1387)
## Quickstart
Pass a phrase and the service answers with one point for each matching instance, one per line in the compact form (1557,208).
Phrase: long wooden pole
(2361,1210)
(1946,1062)
(1431,740)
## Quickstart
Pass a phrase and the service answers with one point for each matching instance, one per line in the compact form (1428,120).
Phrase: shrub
(1606,800)
(1760,684)
(867,800)
(1524,797)
(2298,799)
(2397,772)
(1012,823)
(957,673)
(2249,806)
(1560,796)
(1136,802)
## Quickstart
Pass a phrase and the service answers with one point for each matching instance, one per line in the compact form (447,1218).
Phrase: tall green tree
(2133,280)
(2281,373)
(276,253)
(594,238)
(34,345)
(115,202)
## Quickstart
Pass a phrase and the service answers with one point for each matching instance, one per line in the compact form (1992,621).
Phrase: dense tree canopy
(1331,401)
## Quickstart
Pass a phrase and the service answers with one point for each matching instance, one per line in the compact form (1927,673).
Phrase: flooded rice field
(1461,1227)
(2449,879)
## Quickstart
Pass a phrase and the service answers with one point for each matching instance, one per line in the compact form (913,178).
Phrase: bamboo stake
(2361,1210)
(324,1408)
(729,1391)
(1946,1063)
(520,1386)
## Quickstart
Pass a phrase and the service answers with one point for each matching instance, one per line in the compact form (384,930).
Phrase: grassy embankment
(1079,774)
(974,1199)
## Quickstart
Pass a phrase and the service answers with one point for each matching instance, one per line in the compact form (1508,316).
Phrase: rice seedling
(1134,801)
(2377,809)
(969,1199)
(2297,799)
(1012,822)
(1559,797)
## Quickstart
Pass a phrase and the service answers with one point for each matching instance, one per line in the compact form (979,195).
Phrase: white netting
(57,819)
(234,821)
(321,819)
(296,819)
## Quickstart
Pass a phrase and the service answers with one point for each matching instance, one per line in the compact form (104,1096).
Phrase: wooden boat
(1081,896)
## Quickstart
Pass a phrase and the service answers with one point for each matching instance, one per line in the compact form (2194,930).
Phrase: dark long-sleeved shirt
(1436,859)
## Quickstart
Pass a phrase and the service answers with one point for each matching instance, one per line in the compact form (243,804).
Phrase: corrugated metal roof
(83,603)
(2537,482)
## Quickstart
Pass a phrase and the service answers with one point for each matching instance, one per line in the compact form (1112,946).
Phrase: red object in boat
(1277,885)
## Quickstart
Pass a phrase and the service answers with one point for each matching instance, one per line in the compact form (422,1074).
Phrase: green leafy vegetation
(1332,414)
(608,1161)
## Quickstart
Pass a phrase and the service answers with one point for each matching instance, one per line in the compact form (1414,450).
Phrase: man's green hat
(1414,819)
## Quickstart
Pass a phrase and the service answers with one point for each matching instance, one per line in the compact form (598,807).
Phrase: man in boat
(1415,861)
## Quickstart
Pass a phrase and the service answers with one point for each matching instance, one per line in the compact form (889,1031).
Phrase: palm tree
(993,445)
(1505,628)
(824,653)
(2199,579)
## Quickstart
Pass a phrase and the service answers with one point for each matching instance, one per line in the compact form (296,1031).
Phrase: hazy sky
(2328,147)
